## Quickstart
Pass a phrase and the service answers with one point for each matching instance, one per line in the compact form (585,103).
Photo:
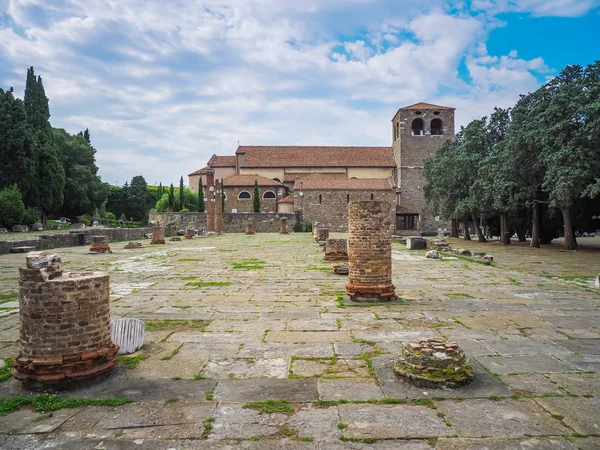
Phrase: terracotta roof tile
(292,177)
(248,180)
(422,105)
(199,172)
(326,182)
(288,199)
(304,156)
(222,161)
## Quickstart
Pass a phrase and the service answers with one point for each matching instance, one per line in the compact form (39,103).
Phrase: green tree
(137,199)
(181,200)
(171,197)
(201,206)
(12,207)
(84,191)
(256,199)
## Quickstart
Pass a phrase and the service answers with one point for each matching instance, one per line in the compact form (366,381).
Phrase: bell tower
(418,131)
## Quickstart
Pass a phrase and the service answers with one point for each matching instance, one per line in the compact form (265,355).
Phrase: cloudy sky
(164,85)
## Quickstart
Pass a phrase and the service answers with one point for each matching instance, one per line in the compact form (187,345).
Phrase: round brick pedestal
(100,245)
(158,235)
(65,334)
(370,252)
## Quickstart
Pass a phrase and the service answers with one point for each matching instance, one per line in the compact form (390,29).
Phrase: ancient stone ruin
(131,245)
(128,334)
(434,363)
(336,250)
(100,245)
(322,234)
(283,228)
(190,233)
(340,269)
(218,209)
(249,228)
(210,204)
(416,243)
(158,235)
(370,252)
(65,334)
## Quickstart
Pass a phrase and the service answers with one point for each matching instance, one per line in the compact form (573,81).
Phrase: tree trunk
(502,225)
(480,236)
(467,236)
(570,242)
(454,230)
(521,233)
(535,225)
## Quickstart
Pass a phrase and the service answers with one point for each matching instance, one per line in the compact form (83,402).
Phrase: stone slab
(554,443)
(338,368)
(581,414)
(235,422)
(578,383)
(582,346)
(526,364)
(531,384)
(308,337)
(274,350)
(391,444)
(243,368)
(500,418)
(391,422)
(349,389)
(256,390)
(312,325)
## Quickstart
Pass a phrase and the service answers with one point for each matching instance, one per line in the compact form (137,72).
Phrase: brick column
(218,208)
(100,245)
(65,333)
(336,250)
(283,228)
(370,252)
(210,200)
(158,235)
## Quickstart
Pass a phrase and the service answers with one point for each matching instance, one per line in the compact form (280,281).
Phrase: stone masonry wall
(232,223)
(332,212)
(247,205)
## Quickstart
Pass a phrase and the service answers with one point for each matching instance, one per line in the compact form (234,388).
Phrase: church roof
(422,105)
(288,199)
(317,156)
(327,182)
(198,172)
(248,180)
(222,161)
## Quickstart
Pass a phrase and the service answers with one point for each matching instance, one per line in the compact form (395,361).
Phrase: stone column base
(335,256)
(357,293)
(61,368)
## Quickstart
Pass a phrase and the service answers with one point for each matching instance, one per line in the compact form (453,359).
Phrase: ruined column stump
(128,334)
(283,228)
(336,250)
(249,228)
(99,245)
(189,233)
(65,334)
(131,245)
(370,252)
(322,234)
(158,235)
(434,363)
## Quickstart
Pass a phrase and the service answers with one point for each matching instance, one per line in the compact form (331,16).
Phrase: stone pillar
(218,208)
(370,252)
(65,333)
(210,200)
(314,230)
(249,228)
(283,228)
(100,245)
(336,250)
(158,235)
(322,234)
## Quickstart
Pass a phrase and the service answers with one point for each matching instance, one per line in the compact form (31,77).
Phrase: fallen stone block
(20,228)
(416,243)
(128,334)
(433,254)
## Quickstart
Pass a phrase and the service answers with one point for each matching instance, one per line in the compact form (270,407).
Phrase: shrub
(308,226)
(185,210)
(12,208)
(32,215)
(110,216)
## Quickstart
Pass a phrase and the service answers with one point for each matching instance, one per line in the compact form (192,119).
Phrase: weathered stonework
(340,269)
(336,250)
(322,234)
(158,235)
(100,245)
(190,233)
(218,209)
(434,363)
(370,252)
(283,228)
(249,228)
(131,245)
(210,204)
(65,334)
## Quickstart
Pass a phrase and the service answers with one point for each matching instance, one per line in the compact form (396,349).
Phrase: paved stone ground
(271,327)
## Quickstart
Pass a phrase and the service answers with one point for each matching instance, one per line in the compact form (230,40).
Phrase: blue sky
(162,88)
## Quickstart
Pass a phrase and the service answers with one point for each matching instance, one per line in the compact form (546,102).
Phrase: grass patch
(208,283)
(171,400)
(248,264)
(190,259)
(9,297)
(271,406)
(424,402)
(340,301)
(191,277)
(174,325)
(5,372)
(324,269)
(131,362)
(175,352)
(53,402)
(326,403)
(342,425)
(209,395)
(208,425)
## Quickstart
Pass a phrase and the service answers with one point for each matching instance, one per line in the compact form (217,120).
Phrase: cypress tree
(171,197)
(181,200)
(160,191)
(201,206)
(256,200)
(86,135)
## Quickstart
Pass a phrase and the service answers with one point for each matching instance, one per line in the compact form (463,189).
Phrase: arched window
(320,199)
(244,195)
(347,198)
(277,179)
(269,194)
(436,127)
(417,127)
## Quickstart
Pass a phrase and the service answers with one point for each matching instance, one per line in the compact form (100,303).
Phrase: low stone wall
(71,239)
(232,222)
